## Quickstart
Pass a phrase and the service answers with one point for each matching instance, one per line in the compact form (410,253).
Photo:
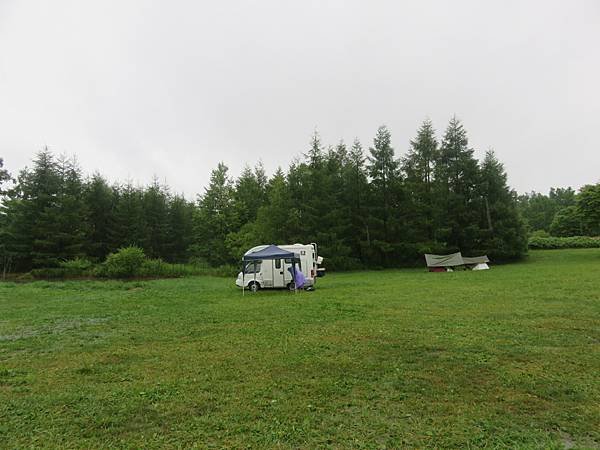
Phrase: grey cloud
(137,88)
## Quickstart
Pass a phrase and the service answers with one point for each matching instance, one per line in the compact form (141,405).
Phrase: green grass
(508,357)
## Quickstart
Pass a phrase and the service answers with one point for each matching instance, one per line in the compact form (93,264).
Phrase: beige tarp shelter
(454,260)
(475,260)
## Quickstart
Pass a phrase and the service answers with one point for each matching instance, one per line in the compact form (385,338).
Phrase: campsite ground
(403,358)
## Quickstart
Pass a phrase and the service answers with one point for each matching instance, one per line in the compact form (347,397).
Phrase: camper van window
(278,264)
(250,267)
(289,261)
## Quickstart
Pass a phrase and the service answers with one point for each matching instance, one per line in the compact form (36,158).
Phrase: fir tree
(355,195)
(70,211)
(383,170)
(156,220)
(128,218)
(418,167)
(180,227)
(215,218)
(457,177)
(32,212)
(502,232)
(250,192)
(99,217)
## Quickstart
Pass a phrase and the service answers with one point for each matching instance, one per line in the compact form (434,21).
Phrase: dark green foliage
(4,177)
(458,203)
(567,222)
(74,268)
(77,265)
(71,225)
(550,243)
(128,218)
(374,210)
(155,207)
(418,167)
(179,230)
(5,256)
(588,205)
(250,193)
(45,213)
(100,202)
(215,218)
(563,212)
(539,210)
(502,232)
(385,206)
(125,263)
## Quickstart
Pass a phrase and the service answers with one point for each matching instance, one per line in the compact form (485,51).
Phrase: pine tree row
(364,208)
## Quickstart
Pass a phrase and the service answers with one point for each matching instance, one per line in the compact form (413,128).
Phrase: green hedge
(548,243)
(128,263)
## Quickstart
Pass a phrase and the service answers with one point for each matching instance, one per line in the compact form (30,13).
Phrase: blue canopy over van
(271,252)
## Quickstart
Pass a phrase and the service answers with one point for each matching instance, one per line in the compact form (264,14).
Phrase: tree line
(563,212)
(365,207)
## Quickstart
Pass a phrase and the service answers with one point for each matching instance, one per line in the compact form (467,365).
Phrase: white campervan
(274,273)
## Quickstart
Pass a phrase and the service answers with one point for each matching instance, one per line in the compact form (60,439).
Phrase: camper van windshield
(250,266)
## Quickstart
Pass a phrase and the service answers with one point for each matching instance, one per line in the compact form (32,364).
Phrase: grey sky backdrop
(137,88)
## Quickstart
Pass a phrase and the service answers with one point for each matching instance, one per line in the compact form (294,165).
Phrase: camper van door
(278,273)
(267,273)
(287,264)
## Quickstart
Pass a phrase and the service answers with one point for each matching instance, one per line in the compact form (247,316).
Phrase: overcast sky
(136,88)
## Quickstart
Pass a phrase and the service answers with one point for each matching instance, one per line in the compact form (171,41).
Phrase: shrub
(539,234)
(77,267)
(125,263)
(80,264)
(49,273)
(548,243)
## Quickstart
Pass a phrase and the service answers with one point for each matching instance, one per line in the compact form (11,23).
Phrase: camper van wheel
(253,286)
(292,286)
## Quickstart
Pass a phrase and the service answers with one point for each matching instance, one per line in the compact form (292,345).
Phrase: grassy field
(508,357)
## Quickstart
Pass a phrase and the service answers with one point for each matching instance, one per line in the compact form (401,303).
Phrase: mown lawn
(509,357)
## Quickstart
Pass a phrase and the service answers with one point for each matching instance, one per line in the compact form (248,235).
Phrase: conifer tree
(277,221)
(383,170)
(355,195)
(457,178)
(156,220)
(215,218)
(250,192)
(32,214)
(418,167)
(5,256)
(70,210)
(502,232)
(128,218)
(180,228)
(99,217)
